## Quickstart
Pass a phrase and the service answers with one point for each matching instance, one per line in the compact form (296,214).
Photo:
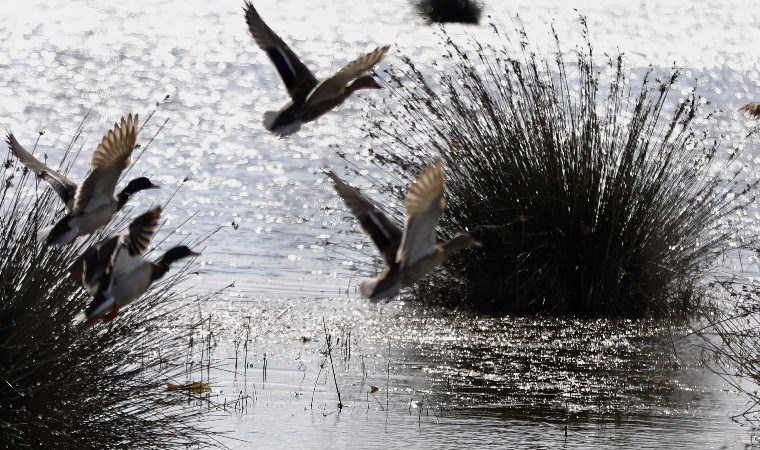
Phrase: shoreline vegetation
(67,384)
(593,194)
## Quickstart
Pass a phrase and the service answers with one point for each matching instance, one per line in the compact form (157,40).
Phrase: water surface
(445,379)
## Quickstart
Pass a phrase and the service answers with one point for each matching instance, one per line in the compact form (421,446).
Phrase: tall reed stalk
(67,385)
(592,194)
(731,342)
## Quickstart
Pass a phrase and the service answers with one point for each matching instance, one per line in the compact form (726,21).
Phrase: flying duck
(411,253)
(94,202)
(126,275)
(65,188)
(752,108)
(309,97)
(88,270)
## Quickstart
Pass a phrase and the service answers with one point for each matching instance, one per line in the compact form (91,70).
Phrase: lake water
(445,379)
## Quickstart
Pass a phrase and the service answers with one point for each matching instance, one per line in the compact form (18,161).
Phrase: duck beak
(194,254)
(154,186)
(477,243)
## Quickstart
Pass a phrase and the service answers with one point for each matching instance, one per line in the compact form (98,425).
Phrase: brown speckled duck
(309,97)
(412,253)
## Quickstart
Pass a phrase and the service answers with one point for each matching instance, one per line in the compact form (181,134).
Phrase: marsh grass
(66,385)
(593,194)
(731,341)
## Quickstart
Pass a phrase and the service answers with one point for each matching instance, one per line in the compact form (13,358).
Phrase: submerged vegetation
(592,194)
(68,385)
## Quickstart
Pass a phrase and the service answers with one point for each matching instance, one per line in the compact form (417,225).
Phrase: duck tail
(61,233)
(102,301)
(376,289)
(280,129)
(269,118)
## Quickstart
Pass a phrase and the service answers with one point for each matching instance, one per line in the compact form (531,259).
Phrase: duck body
(114,271)
(396,277)
(310,98)
(96,213)
(124,289)
(128,278)
(412,253)
(72,226)
(94,203)
(90,268)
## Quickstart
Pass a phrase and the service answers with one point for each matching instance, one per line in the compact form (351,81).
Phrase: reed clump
(68,385)
(593,194)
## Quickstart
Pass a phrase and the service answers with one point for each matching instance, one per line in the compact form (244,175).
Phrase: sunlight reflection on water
(496,381)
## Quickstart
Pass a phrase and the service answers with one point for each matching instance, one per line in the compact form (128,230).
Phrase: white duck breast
(132,276)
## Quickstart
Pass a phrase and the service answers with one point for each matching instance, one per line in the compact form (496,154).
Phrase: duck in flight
(752,108)
(115,271)
(65,188)
(94,202)
(309,98)
(413,252)
(89,268)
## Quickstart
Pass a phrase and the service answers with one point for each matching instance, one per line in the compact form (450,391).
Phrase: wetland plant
(731,342)
(66,385)
(592,194)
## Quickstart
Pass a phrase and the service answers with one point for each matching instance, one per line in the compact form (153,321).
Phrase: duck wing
(384,233)
(137,237)
(65,188)
(334,86)
(297,78)
(424,205)
(110,158)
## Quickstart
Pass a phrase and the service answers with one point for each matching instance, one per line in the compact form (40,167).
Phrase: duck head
(364,82)
(139,184)
(175,254)
(162,264)
(136,185)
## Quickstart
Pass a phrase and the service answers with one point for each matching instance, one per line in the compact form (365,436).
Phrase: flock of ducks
(409,254)
(114,272)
